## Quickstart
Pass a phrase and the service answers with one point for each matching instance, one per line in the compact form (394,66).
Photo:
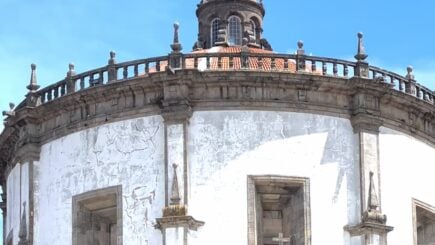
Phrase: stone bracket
(367,228)
(178,221)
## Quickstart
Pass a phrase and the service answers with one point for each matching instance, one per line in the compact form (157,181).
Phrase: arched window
(254,29)
(215,24)
(234,30)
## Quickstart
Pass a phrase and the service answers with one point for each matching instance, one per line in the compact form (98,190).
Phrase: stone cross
(281,239)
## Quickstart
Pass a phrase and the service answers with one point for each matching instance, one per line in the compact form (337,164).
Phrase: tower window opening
(234,31)
(254,29)
(215,25)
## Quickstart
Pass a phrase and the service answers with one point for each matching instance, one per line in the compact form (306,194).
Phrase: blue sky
(53,33)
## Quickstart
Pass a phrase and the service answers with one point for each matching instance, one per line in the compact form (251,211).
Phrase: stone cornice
(190,90)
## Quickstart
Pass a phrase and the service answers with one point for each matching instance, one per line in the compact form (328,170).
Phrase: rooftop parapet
(230,59)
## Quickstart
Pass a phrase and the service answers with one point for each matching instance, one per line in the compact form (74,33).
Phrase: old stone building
(230,143)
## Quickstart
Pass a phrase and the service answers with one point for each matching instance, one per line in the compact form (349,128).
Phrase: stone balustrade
(208,62)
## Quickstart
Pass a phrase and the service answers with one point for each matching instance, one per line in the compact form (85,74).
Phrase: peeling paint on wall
(128,153)
(227,146)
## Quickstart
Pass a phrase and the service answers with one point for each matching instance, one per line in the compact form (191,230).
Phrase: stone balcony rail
(242,61)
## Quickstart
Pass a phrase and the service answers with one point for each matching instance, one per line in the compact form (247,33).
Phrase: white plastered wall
(407,171)
(227,146)
(128,153)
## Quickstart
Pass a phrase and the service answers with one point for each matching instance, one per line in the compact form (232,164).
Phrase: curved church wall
(227,146)
(128,153)
(407,173)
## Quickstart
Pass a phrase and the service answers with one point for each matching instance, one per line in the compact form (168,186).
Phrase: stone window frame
(214,30)
(92,194)
(419,204)
(253,28)
(251,199)
(235,30)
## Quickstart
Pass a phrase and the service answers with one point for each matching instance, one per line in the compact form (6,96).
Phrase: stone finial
(301,50)
(361,55)
(22,234)
(176,28)
(410,73)
(175,194)
(11,111)
(176,46)
(33,86)
(71,72)
(112,56)
(373,202)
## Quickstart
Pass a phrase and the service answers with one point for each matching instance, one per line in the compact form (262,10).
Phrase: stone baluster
(231,62)
(260,63)
(410,86)
(125,72)
(147,67)
(244,57)
(313,66)
(111,68)
(285,64)
(335,69)
(273,63)
(195,63)
(362,67)
(208,62)
(324,68)
(136,70)
(70,80)
(158,65)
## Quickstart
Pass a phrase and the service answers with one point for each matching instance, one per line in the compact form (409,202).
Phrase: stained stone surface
(128,153)
(176,156)
(227,146)
(407,171)
(18,194)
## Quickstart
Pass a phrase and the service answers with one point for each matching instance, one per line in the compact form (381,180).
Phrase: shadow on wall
(341,148)
(225,136)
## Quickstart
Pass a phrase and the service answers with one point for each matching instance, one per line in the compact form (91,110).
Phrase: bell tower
(230,23)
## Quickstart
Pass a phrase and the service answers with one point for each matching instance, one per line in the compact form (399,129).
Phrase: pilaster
(29,154)
(175,222)
(3,207)
(366,123)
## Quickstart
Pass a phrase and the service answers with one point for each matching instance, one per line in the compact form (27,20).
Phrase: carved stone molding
(367,103)
(178,221)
